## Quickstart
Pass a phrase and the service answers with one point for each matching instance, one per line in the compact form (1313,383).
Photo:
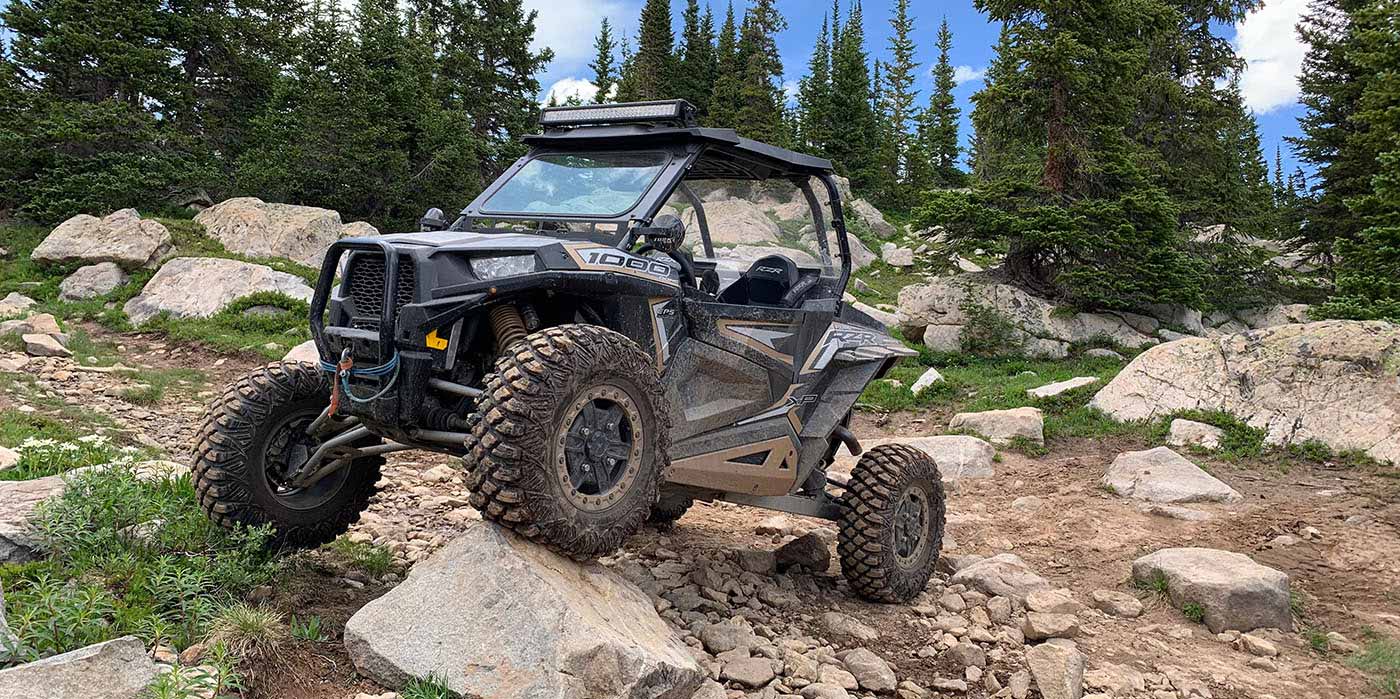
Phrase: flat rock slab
(199,287)
(1002,426)
(1054,389)
(958,456)
(497,616)
(1004,575)
(1233,591)
(1164,476)
(18,500)
(118,669)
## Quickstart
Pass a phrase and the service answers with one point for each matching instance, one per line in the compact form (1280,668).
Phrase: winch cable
(343,375)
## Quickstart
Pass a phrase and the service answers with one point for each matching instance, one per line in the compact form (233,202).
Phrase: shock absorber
(507,324)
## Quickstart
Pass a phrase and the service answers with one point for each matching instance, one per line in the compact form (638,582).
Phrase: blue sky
(1266,40)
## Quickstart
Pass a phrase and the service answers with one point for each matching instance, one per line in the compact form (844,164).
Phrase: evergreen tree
(896,104)
(603,67)
(696,80)
(724,99)
(814,127)
(854,150)
(938,123)
(653,72)
(1007,145)
(761,102)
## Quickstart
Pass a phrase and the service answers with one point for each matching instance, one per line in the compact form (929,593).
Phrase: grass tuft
(1380,657)
(433,687)
(249,631)
(372,559)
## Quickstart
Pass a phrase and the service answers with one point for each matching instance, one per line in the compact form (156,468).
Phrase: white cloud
(790,89)
(563,89)
(968,74)
(569,27)
(1274,53)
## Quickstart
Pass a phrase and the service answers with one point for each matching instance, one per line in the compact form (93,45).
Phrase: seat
(765,284)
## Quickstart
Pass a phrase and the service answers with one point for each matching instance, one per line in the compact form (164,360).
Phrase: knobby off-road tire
(528,436)
(895,491)
(669,508)
(254,426)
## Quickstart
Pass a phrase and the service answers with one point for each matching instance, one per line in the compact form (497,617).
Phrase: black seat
(765,284)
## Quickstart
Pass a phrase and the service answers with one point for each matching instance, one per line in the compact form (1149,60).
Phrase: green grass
(310,629)
(1317,640)
(249,631)
(1194,612)
(433,687)
(1158,585)
(154,384)
(1380,657)
(48,457)
(372,559)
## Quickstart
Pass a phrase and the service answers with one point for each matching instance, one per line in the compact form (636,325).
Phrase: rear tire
(669,508)
(249,433)
(571,440)
(891,531)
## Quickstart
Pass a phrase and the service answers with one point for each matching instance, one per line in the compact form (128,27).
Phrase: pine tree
(1007,145)
(603,67)
(938,123)
(814,127)
(895,104)
(854,150)
(724,99)
(696,80)
(761,103)
(653,73)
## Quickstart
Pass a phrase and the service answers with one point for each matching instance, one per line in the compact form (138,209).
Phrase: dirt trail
(1048,510)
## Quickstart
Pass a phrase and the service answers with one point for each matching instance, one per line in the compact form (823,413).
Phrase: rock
(734,222)
(749,672)
(760,561)
(122,237)
(304,352)
(1184,514)
(774,525)
(820,690)
(1101,353)
(885,318)
(1233,591)
(833,675)
(9,458)
(1053,602)
(965,265)
(1273,316)
(1004,575)
(925,380)
(896,256)
(8,641)
(1058,671)
(968,654)
(867,212)
(1189,433)
(199,287)
(252,227)
(942,338)
(1114,603)
(1042,625)
(1019,684)
(726,636)
(92,281)
(872,673)
(117,669)
(1001,426)
(739,258)
(358,229)
(1055,389)
(1255,645)
(958,456)
(808,551)
(489,602)
(1333,381)
(1164,476)
(843,625)
(949,686)
(37,345)
(18,500)
(15,303)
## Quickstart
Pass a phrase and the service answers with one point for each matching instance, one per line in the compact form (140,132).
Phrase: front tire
(251,434)
(891,531)
(571,441)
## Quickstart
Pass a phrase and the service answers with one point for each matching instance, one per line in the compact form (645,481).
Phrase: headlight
(505,266)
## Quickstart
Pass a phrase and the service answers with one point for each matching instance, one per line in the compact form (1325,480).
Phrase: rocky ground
(1065,606)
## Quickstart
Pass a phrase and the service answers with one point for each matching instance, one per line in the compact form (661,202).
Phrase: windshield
(578,184)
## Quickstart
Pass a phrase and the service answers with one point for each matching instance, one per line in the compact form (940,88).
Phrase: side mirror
(666,233)
(432,221)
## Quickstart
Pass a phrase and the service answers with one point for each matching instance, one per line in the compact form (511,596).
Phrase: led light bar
(626,113)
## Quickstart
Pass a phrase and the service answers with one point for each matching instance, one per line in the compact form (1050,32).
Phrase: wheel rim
(599,447)
(288,447)
(910,525)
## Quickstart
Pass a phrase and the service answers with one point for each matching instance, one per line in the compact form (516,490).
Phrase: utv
(590,370)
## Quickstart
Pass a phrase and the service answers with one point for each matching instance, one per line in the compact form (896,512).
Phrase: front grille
(365,279)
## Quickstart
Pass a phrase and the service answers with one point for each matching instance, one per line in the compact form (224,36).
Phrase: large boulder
(18,501)
(865,211)
(199,287)
(253,227)
(1272,316)
(733,222)
(1333,381)
(958,456)
(92,281)
(118,669)
(497,616)
(1043,328)
(122,237)
(1162,475)
(1231,589)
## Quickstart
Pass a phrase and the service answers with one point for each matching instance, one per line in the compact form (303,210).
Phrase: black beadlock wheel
(571,441)
(891,530)
(252,435)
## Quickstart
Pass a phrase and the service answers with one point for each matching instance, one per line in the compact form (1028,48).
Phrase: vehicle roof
(730,155)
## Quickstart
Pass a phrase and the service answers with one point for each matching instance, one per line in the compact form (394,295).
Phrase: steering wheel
(666,234)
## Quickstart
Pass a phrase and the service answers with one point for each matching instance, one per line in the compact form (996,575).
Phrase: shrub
(987,333)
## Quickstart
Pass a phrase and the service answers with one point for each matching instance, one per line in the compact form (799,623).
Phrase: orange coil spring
(508,326)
